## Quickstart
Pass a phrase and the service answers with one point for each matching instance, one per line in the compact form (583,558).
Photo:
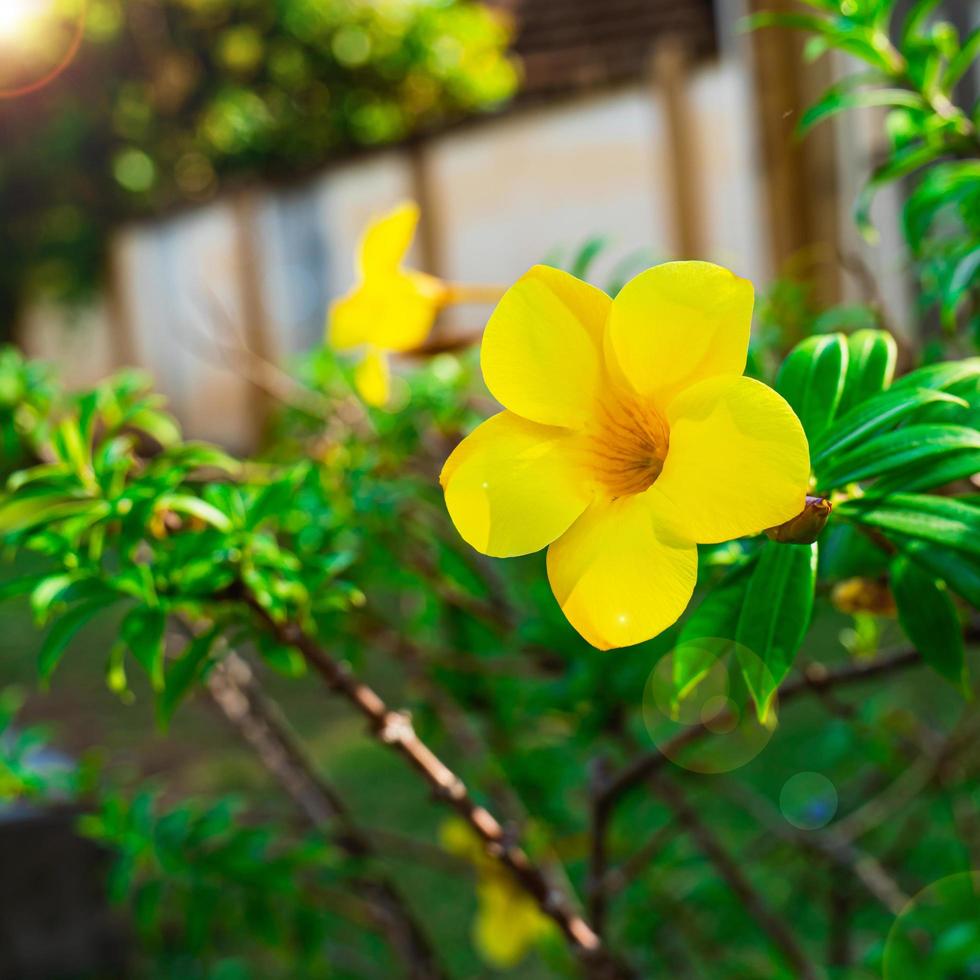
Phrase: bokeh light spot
(808,800)
(937,935)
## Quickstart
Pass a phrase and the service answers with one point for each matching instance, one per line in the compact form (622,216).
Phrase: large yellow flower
(390,309)
(629,437)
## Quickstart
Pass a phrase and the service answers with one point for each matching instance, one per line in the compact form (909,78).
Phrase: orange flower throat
(628,447)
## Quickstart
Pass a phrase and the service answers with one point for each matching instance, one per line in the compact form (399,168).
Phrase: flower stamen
(628,447)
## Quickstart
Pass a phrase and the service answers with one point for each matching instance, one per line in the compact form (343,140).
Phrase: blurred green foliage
(338,526)
(168,101)
(916,62)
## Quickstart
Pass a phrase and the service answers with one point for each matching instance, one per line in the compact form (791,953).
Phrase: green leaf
(960,572)
(872,416)
(19,586)
(775,617)
(195,507)
(22,513)
(871,358)
(915,19)
(61,633)
(957,466)
(940,377)
(142,631)
(928,616)
(961,63)
(811,379)
(585,256)
(942,520)
(716,618)
(47,592)
(838,98)
(158,425)
(912,446)
(965,277)
(189,669)
(902,162)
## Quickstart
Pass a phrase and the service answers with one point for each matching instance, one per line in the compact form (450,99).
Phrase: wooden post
(668,79)
(430,236)
(255,321)
(119,319)
(799,176)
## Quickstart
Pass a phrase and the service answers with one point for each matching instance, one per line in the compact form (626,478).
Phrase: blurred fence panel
(258,269)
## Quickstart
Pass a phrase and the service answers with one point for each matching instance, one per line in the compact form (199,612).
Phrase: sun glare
(19,18)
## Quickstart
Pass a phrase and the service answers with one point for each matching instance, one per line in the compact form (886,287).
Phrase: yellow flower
(629,437)
(390,309)
(508,921)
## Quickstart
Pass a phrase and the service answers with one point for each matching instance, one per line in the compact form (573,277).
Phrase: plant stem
(239,697)
(395,730)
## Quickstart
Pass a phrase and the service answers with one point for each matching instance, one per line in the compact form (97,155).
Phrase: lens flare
(20,18)
(38,32)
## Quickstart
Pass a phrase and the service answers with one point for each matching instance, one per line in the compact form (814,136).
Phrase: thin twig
(731,872)
(237,694)
(815,678)
(395,730)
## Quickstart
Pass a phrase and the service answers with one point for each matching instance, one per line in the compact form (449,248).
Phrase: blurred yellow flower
(508,921)
(390,309)
(629,436)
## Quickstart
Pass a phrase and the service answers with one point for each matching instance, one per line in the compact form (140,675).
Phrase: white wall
(508,191)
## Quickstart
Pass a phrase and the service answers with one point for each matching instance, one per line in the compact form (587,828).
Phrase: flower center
(628,447)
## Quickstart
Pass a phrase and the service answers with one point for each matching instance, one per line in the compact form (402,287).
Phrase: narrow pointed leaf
(811,379)
(775,616)
(928,616)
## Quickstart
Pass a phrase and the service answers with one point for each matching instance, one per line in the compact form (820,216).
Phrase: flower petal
(619,575)
(513,486)
(387,239)
(679,323)
(540,354)
(394,312)
(372,378)
(738,460)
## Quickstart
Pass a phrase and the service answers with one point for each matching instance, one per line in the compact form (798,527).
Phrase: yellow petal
(540,353)
(513,486)
(394,312)
(372,378)
(738,460)
(619,575)
(679,323)
(387,239)
(508,922)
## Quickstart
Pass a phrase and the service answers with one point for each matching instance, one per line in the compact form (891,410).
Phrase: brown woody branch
(238,695)
(395,730)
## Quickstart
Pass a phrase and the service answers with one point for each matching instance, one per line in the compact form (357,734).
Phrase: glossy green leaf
(946,376)
(928,616)
(775,616)
(912,446)
(811,379)
(871,358)
(872,416)
(942,520)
